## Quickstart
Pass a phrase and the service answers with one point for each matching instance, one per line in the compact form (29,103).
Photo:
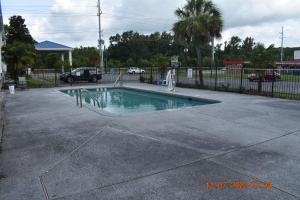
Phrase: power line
(91,2)
(140,17)
(38,6)
(58,14)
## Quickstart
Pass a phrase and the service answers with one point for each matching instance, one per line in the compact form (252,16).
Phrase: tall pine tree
(19,52)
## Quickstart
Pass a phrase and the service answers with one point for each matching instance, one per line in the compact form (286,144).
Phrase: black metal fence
(283,83)
(47,76)
(51,77)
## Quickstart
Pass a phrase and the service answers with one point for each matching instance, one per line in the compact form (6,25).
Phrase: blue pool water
(122,101)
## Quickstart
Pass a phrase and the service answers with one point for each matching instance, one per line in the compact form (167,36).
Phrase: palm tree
(200,21)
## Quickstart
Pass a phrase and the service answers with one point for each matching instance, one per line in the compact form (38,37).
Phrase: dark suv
(268,77)
(82,74)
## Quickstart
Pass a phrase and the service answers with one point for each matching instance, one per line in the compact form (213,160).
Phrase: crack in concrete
(66,157)
(189,164)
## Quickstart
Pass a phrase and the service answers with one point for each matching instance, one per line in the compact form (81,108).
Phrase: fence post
(96,76)
(177,75)
(242,78)
(273,74)
(141,74)
(55,79)
(196,76)
(260,80)
(71,82)
(151,75)
(216,78)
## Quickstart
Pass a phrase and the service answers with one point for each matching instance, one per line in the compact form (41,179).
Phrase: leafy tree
(144,63)
(86,57)
(114,64)
(137,46)
(130,62)
(219,55)
(19,55)
(262,58)
(18,31)
(247,47)
(160,60)
(207,61)
(233,48)
(53,61)
(199,22)
(19,51)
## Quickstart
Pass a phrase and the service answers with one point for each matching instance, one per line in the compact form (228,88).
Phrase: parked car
(266,78)
(135,70)
(82,74)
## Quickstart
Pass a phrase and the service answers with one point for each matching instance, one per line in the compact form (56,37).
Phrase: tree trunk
(260,81)
(212,55)
(15,75)
(213,51)
(196,76)
(199,65)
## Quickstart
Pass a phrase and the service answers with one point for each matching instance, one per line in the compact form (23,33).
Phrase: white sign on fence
(190,73)
(29,71)
(175,61)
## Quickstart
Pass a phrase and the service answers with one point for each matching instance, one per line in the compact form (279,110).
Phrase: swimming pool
(125,100)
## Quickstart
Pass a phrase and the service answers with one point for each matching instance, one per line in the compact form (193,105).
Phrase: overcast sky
(74,22)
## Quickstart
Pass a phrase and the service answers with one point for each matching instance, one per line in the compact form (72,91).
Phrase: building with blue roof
(48,46)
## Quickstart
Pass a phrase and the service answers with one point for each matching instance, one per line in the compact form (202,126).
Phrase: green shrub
(34,83)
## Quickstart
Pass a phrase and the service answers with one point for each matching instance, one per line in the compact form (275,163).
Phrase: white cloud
(252,12)
(268,33)
(71,22)
(74,22)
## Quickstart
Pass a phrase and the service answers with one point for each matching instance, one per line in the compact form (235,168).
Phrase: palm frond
(199,20)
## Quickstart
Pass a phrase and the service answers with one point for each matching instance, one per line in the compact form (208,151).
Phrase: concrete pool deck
(53,149)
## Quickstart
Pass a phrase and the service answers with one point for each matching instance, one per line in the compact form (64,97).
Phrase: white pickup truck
(135,70)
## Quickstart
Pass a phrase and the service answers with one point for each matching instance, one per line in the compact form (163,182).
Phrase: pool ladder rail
(81,93)
(119,80)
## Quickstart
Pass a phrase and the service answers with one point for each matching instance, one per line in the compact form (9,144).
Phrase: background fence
(51,78)
(284,83)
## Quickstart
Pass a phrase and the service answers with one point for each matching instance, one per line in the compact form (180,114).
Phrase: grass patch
(290,78)
(35,83)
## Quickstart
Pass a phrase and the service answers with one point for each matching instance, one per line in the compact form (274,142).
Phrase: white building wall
(297,55)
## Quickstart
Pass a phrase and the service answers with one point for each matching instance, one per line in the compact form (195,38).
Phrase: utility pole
(100,36)
(282,38)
